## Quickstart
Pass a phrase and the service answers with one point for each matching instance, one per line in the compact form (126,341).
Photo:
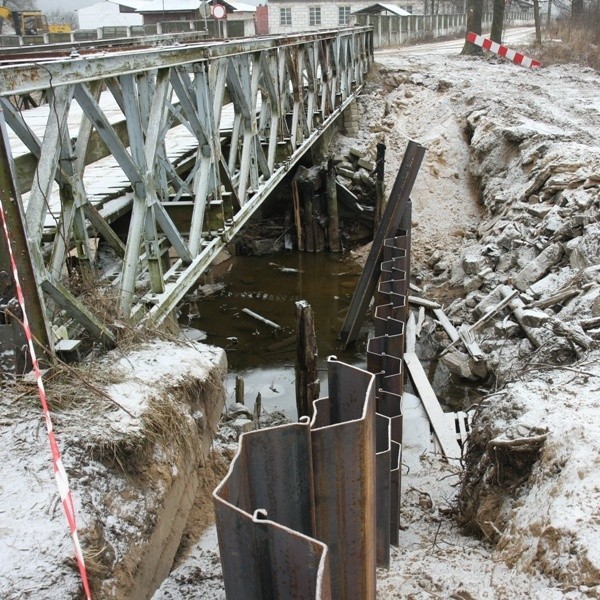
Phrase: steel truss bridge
(163,155)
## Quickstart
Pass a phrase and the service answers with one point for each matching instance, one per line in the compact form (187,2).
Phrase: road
(515,35)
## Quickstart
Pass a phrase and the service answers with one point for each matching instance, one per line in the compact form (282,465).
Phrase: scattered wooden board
(446,436)
(440,315)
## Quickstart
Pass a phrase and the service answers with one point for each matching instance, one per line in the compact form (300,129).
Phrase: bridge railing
(163,155)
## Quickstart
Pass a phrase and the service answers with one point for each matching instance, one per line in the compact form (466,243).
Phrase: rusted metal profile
(384,358)
(393,219)
(296,514)
(383,459)
(390,405)
(343,444)
(384,363)
(265,519)
(395,268)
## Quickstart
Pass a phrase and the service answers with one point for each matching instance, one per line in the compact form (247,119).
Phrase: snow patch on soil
(122,470)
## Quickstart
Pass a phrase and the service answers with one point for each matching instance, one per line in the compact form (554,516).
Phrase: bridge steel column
(164,154)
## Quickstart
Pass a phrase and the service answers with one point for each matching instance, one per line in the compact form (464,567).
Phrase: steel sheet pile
(308,510)
(296,513)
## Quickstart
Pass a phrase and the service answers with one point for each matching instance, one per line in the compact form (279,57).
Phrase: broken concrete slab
(539,267)
(473,262)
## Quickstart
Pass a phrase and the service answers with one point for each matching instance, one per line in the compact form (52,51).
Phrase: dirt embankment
(134,429)
(508,202)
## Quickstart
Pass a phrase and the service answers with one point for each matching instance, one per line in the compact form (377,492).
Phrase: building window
(285,17)
(344,15)
(314,15)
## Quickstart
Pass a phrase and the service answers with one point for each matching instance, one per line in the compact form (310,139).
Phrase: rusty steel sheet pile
(327,509)
(266,520)
(343,440)
(296,512)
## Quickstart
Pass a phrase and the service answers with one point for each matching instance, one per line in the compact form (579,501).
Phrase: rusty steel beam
(393,219)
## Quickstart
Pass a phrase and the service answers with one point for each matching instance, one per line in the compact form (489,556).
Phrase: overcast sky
(63,4)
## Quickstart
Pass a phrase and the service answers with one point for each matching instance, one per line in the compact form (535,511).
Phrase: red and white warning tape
(487,44)
(59,470)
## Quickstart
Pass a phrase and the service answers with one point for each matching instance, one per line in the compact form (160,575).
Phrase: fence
(227,29)
(393,30)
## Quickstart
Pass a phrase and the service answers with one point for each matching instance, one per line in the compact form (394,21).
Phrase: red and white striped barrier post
(59,471)
(516,57)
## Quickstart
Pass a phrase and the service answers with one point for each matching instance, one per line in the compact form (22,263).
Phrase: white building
(286,16)
(110,13)
(119,13)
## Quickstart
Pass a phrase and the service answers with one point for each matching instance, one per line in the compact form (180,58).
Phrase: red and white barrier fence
(516,57)
(59,470)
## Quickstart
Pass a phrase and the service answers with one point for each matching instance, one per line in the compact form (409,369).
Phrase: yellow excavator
(31,22)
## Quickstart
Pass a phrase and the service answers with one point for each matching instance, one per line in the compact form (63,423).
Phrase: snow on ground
(495,133)
(511,168)
(106,455)
(532,143)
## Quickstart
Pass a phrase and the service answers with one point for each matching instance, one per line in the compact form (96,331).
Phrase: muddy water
(263,356)
(270,286)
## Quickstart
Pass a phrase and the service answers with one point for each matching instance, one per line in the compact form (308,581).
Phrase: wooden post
(239,390)
(298,216)
(257,411)
(332,209)
(306,194)
(379,187)
(307,374)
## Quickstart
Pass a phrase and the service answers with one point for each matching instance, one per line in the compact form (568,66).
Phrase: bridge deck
(104,179)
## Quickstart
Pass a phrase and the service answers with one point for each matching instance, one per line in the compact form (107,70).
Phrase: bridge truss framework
(163,155)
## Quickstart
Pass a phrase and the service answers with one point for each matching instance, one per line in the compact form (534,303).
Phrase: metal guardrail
(329,490)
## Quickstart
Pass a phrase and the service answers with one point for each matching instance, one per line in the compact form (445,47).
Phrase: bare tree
(62,17)
(474,13)
(497,21)
(576,8)
(538,23)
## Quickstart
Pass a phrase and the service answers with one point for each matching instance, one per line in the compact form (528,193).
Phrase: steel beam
(390,223)
(12,211)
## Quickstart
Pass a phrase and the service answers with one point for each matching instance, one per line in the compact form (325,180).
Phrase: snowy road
(516,35)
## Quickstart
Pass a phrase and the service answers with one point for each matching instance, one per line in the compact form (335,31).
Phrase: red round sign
(219,11)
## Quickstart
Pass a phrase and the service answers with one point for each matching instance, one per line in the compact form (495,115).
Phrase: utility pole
(10,200)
